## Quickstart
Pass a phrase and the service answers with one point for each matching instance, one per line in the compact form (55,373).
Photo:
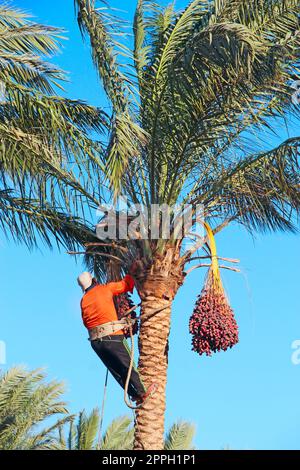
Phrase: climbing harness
(109,328)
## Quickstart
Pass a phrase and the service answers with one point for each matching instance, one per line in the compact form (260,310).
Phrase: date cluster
(123,304)
(212,324)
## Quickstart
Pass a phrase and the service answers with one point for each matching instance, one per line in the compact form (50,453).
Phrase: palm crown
(198,88)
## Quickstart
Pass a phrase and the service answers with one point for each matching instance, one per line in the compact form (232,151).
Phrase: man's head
(85,280)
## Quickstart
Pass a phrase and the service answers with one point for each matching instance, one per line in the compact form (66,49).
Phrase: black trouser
(115,355)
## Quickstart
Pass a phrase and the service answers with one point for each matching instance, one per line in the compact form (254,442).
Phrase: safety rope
(127,402)
(102,409)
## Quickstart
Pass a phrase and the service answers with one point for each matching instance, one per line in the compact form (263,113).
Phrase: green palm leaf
(87,429)
(118,436)
(26,400)
(180,436)
(44,138)
(127,137)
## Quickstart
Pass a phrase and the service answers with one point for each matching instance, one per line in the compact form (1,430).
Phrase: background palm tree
(119,435)
(191,110)
(43,138)
(26,402)
(84,435)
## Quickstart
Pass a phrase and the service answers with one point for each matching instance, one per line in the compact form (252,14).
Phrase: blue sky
(247,398)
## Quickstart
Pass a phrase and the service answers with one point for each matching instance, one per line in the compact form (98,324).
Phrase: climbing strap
(109,328)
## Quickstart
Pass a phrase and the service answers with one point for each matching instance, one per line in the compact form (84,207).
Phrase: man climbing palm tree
(107,339)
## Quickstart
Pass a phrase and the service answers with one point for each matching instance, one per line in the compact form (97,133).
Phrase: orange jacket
(97,305)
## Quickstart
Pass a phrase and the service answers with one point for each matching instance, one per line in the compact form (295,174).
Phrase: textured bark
(153,362)
(157,284)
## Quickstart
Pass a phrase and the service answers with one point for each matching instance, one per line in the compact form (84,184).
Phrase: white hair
(85,280)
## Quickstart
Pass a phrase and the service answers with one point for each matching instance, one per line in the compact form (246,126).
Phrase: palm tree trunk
(153,362)
(157,285)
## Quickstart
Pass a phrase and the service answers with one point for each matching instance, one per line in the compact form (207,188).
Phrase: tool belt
(109,328)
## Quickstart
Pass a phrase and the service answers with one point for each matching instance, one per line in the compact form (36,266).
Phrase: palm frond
(25,401)
(18,34)
(87,429)
(46,153)
(195,14)
(180,437)
(97,24)
(72,436)
(27,221)
(127,137)
(261,191)
(116,434)
(11,17)
(141,50)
